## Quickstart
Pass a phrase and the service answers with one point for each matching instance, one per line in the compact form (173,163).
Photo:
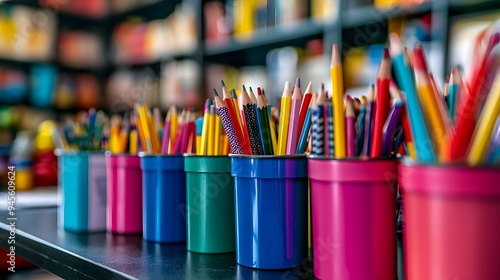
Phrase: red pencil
(306,99)
(382,103)
(466,117)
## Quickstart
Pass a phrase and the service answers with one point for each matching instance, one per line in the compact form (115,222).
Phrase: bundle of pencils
(372,126)
(458,125)
(211,140)
(247,120)
(88,131)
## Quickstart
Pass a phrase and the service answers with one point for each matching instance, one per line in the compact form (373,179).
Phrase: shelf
(239,51)
(464,7)
(21,63)
(154,62)
(106,256)
(370,15)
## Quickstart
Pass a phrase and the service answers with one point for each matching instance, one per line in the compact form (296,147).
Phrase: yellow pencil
(272,127)
(217,135)
(286,103)
(143,116)
(155,141)
(173,126)
(338,103)
(211,130)
(427,98)
(204,132)
(485,125)
(133,142)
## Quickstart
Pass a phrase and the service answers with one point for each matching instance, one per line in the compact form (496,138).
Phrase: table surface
(107,256)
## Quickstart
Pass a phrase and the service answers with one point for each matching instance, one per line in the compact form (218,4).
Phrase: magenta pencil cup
(124,200)
(353,218)
(451,224)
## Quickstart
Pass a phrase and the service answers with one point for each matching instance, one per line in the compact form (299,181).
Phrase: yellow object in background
(243,18)
(24,179)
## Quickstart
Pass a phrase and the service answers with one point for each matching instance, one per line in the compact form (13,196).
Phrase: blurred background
(61,56)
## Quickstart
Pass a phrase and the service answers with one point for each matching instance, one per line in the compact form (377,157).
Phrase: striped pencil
(227,124)
(250,122)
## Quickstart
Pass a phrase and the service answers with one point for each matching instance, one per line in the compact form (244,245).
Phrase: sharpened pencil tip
(215,93)
(223,84)
(297,82)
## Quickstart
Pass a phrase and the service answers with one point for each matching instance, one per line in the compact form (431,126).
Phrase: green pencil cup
(210,204)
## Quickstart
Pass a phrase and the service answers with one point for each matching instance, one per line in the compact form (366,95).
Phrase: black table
(107,256)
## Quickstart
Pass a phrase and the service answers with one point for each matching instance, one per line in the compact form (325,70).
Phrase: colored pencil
(284,119)
(293,130)
(337,103)
(249,121)
(350,128)
(382,104)
(304,107)
(264,125)
(486,123)
(370,116)
(423,146)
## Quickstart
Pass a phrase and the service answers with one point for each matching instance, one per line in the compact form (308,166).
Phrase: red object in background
(45,170)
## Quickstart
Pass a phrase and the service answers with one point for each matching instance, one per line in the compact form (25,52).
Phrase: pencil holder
(164,193)
(271,210)
(210,204)
(451,222)
(124,186)
(82,191)
(353,218)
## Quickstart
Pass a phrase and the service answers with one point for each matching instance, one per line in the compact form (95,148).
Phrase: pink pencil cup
(451,224)
(124,187)
(353,218)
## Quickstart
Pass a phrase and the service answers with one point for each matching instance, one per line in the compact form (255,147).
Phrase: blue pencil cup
(164,198)
(82,191)
(271,210)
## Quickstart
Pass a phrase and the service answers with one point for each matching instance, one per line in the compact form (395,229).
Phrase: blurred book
(23,37)
(79,91)
(81,49)
(13,86)
(179,84)
(143,42)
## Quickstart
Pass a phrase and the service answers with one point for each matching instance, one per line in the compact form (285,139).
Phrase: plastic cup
(124,200)
(353,218)
(271,210)
(210,204)
(82,191)
(164,193)
(451,221)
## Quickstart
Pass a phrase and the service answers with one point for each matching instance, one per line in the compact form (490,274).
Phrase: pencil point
(309,88)
(223,84)
(297,82)
(215,93)
(335,55)
(233,93)
(259,91)
(243,87)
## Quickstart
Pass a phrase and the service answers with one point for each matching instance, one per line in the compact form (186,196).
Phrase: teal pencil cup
(82,191)
(210,204)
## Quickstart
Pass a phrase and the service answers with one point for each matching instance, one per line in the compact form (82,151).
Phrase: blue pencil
(423,146)
(301,146)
